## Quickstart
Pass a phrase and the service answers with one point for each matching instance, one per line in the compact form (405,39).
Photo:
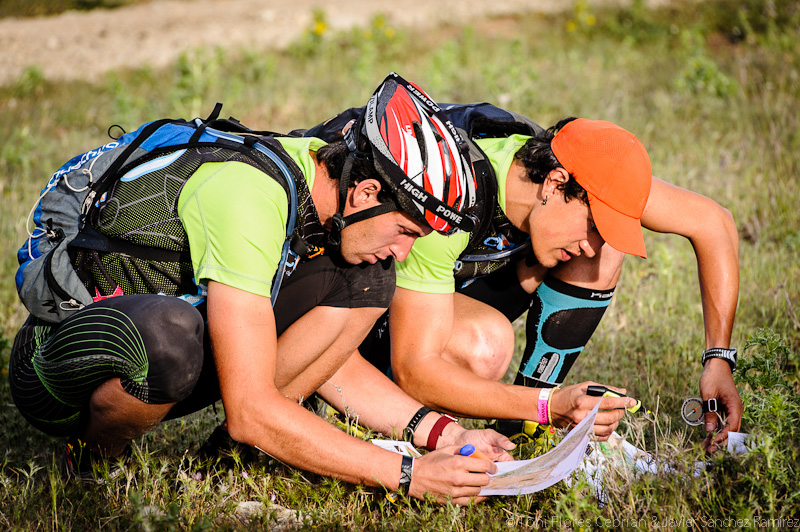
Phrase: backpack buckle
(315,251)
(292,260)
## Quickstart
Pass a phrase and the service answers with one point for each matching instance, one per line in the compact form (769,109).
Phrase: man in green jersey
(118,367)
(571,202)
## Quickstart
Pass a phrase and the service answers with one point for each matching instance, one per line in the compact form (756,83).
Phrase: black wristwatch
(729,355)
(408,432)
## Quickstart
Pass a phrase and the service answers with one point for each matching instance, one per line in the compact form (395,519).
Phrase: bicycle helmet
(416,149)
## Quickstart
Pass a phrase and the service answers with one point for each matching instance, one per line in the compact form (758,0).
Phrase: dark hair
(539,160)
(334,155)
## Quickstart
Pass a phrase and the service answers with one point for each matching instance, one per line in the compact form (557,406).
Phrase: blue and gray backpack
(101,231)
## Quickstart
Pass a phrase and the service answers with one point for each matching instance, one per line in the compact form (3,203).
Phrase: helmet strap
(344,181)
(339,221)
(377,210)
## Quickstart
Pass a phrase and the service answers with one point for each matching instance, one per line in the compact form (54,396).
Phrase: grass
(711,91)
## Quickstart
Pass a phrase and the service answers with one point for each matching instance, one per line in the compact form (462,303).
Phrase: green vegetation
(711,90)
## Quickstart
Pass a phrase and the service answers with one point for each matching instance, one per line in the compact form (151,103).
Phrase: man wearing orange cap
(581,191)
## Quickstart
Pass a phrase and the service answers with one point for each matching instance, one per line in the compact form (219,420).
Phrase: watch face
(692,411)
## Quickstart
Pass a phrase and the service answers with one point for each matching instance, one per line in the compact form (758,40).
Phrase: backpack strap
(487,200)
(90,238)
(101,184)
(230,125)
(214,113)
(201,124)
(262,145)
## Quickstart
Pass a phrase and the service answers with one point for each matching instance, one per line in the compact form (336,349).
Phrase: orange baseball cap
(614,168)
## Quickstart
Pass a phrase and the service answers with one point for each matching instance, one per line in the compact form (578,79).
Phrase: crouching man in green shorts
(116,368)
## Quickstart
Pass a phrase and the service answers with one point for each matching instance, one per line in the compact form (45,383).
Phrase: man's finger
(722,438)
(711,421)
(614,403)
(608,417)
(621,391)
(477,465)
(733,408)
(465,501)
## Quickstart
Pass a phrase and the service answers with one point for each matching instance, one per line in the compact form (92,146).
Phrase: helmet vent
(420,136)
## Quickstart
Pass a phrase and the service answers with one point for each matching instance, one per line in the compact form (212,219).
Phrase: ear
(556,178)
(365,193)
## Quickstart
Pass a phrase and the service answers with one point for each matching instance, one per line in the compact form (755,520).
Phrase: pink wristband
(544,411)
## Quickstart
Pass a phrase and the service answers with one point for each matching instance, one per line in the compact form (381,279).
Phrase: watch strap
(408,432)
(729,355)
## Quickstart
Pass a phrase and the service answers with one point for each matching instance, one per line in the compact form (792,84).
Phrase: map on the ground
(527,476)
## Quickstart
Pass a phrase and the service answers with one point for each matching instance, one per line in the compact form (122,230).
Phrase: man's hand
(445,474)
(717,382)
(491,443)
(569,405)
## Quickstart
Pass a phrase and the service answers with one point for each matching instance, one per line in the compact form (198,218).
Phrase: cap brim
(620,231)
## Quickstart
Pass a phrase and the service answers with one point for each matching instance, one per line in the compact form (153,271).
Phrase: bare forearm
(450,388)
(718,271)
(712,231)
(361,391)
(419,366)
(242,330)
(292,434)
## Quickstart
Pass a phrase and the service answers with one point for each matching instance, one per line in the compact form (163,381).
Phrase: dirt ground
(85,45)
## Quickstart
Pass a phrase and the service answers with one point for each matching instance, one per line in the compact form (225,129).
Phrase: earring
(544,201)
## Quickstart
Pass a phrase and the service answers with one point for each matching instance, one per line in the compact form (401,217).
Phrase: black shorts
(500,290)
(158,346)
(331,282)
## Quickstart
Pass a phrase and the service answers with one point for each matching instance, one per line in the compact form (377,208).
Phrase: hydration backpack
(488,248)
(87,237)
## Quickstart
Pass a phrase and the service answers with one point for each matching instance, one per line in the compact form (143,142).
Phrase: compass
(692,411)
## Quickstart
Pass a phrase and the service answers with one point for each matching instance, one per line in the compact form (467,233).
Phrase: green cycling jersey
(235,218)
(429,266)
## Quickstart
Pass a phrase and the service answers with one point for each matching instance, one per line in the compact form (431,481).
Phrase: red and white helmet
(421,156)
